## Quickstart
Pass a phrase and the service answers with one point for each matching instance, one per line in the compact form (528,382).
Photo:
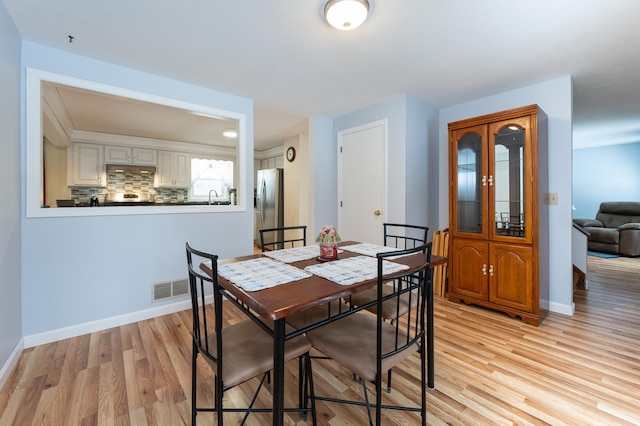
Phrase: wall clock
(291,154)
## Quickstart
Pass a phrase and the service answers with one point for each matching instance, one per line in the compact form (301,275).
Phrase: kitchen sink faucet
(215,192)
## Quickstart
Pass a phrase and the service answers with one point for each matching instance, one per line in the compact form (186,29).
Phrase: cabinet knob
(491,270)
(377,213)
(490,180)
(484,269)
(484,180)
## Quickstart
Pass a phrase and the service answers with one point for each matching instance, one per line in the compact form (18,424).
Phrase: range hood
(128,168)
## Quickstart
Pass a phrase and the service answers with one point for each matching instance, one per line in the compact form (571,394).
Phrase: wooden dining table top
(287,299)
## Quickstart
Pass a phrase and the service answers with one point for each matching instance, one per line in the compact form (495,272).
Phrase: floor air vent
(170,289)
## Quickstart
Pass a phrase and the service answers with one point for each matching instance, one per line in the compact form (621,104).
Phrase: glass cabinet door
(470,180)
(508,153)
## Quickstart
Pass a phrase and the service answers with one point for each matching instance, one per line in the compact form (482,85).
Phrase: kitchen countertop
(194,203)
(177,203)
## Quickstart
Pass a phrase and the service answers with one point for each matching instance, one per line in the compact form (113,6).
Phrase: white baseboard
(563,309)
(7,368)
(90,327)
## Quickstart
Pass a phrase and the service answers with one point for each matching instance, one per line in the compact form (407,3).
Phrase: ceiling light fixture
(230,133)
(346,14)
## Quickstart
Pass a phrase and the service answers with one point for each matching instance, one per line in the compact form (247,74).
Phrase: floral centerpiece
(328,239)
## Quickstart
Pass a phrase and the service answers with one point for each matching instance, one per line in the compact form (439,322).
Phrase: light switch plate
(550,198)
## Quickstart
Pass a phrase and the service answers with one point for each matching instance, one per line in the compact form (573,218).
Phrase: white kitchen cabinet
(272,163)
(128,155)
(87,165)
(117,154)
(144,157)
(174,170)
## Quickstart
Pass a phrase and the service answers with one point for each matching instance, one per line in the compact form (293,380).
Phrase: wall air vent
(170,289)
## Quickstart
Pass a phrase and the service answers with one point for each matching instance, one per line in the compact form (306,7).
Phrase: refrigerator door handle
(263,194)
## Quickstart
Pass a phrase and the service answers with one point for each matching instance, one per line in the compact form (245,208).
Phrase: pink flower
(328,234)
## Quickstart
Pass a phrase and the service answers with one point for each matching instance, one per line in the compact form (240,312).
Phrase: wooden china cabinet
(498,223)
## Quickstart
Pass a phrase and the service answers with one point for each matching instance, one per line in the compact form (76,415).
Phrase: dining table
(275,285)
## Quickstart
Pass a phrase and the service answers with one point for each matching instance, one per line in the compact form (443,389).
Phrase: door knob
(377,213)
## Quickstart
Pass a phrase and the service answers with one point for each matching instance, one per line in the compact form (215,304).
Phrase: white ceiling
(91,111)
(292,64)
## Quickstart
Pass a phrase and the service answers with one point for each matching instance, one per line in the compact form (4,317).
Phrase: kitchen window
(211,175)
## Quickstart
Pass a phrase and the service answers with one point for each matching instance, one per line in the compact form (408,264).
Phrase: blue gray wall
(322,173)
(607,173)
(81,273)
(10,238)
(410,122)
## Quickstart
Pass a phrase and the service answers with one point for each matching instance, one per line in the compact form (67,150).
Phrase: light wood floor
(490,370)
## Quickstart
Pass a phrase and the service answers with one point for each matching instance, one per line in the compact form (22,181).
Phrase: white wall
(303,160)
(55,160)
(10,238)
(555,97)
(85,273)
(292,183)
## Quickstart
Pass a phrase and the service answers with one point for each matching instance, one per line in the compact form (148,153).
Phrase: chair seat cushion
(392,308)
(351,341)
(604,235)
(248,351)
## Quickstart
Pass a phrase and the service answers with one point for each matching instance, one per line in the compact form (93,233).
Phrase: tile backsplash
(128,183)
(171,195)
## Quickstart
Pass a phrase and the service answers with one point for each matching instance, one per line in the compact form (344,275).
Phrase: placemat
(371,249)
(261,273)
(295,254)
(353,269)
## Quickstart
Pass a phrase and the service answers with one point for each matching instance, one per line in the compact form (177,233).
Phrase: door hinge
(340,150)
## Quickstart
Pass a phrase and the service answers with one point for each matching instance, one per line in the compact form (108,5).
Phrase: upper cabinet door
(142,156)
(469,181)
(117,154)
(174,170)
(87,165)
(182,175)
(510,178)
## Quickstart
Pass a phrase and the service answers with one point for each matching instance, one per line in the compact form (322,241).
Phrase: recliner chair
(616,228)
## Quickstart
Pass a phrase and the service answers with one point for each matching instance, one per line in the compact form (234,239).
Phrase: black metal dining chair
(404,236)
(369,346)
(238,352)
(400,236)
(283,237)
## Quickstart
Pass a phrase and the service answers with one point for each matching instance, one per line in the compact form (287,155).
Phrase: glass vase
(328,251)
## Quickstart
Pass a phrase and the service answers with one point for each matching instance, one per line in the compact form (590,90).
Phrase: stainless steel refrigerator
(270,202)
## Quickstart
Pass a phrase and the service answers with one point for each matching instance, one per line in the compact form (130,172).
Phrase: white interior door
(362,182)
